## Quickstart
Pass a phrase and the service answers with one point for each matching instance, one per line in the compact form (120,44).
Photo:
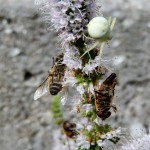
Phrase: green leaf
(83,113)
(56,110)
(59,121)
(107,128)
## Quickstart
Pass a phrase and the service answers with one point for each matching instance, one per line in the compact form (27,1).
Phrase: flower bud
(98,27)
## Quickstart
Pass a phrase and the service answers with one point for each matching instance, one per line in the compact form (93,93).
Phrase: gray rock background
(26,51)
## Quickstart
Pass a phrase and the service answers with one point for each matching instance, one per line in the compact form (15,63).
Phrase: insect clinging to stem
(52,84)
(101,36)
(104,97)
(70,129)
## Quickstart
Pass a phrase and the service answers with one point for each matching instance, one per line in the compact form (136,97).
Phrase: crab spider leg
(89,55)
(101,51)
(112,24)
(93,46)
(89,38)
(109,20)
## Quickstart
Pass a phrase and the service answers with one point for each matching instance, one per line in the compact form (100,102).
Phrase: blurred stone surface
(27,46)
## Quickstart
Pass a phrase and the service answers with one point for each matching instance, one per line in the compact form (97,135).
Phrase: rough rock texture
(26,51)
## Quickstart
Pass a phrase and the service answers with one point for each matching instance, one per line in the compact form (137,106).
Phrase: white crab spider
(100,29)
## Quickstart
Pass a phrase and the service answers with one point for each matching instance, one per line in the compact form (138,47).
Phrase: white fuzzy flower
(88,68)
(112,134)
(51,13)
(79,126)
(69,18)
(91,89)
(89,127)
(81,142)
(71,59)
(87,107)
(98,120)
(69,79)
(58,139)
(107,136)
(100,143)
(66,38)
(91,65)
(80,89)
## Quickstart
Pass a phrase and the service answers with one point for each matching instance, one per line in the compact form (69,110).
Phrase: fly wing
(42,89)
(69,96)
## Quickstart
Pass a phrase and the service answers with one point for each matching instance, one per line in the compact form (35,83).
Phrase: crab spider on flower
(99,30)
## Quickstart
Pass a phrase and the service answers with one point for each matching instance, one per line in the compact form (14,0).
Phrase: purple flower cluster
(68,17)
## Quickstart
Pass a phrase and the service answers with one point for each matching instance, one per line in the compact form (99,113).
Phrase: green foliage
(103,129)
(83,114)
(96,132)
(91,115)
(79,148)
(56,110)
(91,78)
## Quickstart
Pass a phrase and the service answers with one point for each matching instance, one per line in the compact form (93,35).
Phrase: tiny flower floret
(81,141)
(98,27)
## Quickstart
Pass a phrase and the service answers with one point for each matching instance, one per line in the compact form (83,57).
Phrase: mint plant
(88,86)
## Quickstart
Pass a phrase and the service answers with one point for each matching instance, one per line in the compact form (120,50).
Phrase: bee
(70,129)
(104,97)
(52,84)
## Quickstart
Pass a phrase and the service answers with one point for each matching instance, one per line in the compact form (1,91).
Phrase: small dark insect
(52,83)
(104,97)
(70,129)
(78,108)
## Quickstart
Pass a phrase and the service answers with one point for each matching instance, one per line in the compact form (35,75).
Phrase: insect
(100,42)
(70,129)
(52,83)
(104,97)
(78,108)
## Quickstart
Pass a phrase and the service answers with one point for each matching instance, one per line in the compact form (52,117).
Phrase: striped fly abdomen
(55,88)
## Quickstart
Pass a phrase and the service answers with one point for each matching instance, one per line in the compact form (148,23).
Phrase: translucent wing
(70,96)
(42,89)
